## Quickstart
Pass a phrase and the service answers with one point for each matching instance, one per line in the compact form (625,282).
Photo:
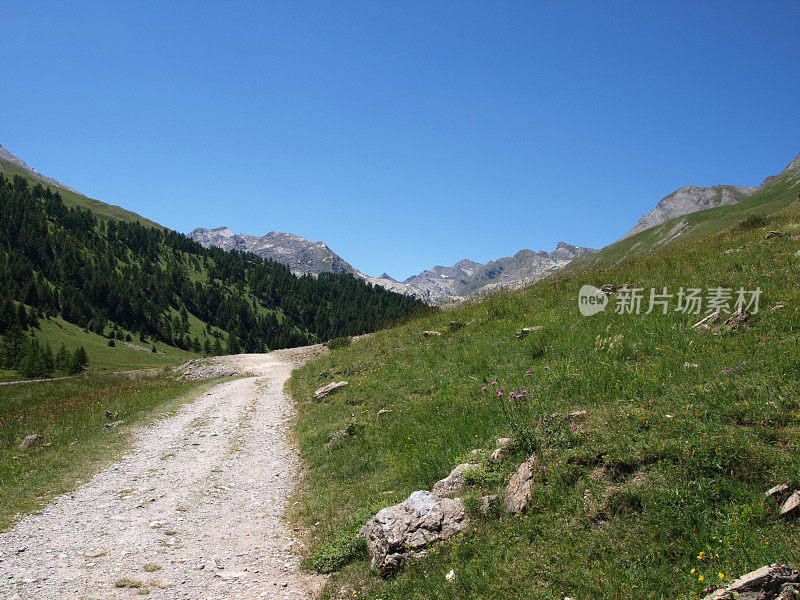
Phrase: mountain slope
(776,193)
(689,199)
(665,472)
(141,283)
(11,165)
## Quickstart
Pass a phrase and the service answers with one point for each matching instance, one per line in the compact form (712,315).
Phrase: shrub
(754,221)
(338,342)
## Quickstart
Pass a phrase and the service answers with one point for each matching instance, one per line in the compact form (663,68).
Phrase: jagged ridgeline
(97,273)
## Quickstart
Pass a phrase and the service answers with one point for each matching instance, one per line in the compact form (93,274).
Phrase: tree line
(124,277)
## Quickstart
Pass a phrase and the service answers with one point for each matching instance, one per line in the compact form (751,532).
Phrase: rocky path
(194,511)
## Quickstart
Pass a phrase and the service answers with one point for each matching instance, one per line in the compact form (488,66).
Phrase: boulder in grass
(31,440)
(737,318)
(327,389)
(773,582)
(791,507)
(398,533)
(454,482)
(519,491)
(431,333)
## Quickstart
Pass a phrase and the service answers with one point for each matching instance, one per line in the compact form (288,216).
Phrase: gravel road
(193,512)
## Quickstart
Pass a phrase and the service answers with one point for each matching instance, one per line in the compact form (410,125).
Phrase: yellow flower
(701,578)
(721,575)
(693,570)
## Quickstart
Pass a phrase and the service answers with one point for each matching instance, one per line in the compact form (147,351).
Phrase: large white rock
(402,531)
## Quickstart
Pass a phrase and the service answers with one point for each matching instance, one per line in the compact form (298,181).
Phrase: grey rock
(499,454)
(791,507)
(690,199)
(773,234)
(526,330)
(737,318)
(454,482)
(113,424)
(30,440)
(777,490)
(767,583)
(518,492)
(431,333)
(485,503)
(327,389)
(405,530)
(505,442)
(384,411)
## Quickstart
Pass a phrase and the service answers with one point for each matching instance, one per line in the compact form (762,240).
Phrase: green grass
(71,415)
(669,463)
(101,356)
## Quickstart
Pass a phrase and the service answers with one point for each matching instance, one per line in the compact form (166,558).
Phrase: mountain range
(684,214)
(436,285)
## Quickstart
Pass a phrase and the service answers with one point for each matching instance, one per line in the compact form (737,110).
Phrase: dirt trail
(194,511)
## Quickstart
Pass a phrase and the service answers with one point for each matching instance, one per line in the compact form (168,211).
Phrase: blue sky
(402,134)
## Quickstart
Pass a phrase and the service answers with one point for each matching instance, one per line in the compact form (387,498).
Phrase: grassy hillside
(772,198)
(100,209)
(144,286)
(658,492)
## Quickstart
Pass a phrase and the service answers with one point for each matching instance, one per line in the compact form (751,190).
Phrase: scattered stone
(777,307)
(95,553)
(114,424)
(708,321)
(518,492)
(451,575)
(771,582)
(327,389)
(499,454)
(791,508)
(403,531)
(608,288)
(431,333)
(773,234)
(340,435)
(687,366)
(737,318)
(578,414)
(476,451)
(161,584)
(526,330)
(454,482)
(384,411)
(231,575)
(156,524)
(485,503)
(457,325)
(30,440)
(777,490)
(505,442)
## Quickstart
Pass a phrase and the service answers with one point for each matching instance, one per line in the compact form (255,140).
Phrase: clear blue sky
(403,134)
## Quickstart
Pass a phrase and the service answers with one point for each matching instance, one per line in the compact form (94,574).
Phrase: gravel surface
(194,511)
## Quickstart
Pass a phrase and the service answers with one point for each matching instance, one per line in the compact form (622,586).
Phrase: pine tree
(78,362)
